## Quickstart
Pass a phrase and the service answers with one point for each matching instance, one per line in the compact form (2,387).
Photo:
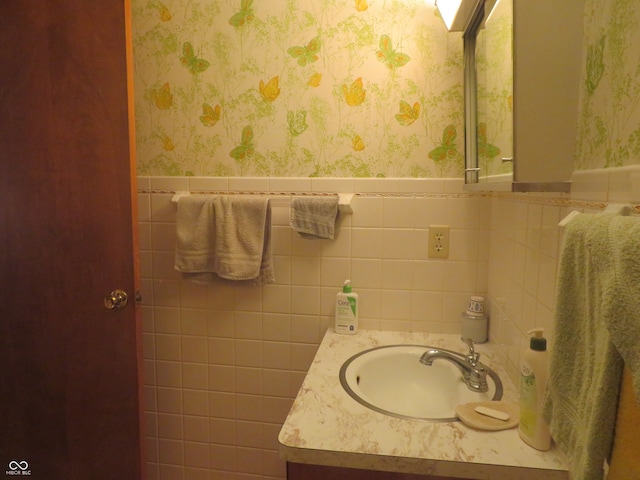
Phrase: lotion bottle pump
(533,428)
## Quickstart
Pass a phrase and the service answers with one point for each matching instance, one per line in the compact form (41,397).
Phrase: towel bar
(344,199)
(614,208)
(618,209)
(565,221)
(344,202)
(177,195)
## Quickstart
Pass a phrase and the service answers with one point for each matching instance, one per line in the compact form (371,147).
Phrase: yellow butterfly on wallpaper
(357,143)
(355,94)
(306,55)
(163,98)
(190,61)
(165,14)
(314,80)
(210,115)
(361,5)
(447,149)
(167,143)
(407,114)
(271,90)
(246,146)
(389,56)
(245,15)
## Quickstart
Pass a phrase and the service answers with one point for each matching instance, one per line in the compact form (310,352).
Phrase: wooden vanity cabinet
(299,471)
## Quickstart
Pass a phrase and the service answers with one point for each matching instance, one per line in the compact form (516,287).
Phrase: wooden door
(69,368)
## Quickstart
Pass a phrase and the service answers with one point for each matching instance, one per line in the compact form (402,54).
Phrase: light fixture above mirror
(457,14)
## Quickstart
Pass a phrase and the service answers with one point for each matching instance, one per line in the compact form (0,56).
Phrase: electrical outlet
(438,241)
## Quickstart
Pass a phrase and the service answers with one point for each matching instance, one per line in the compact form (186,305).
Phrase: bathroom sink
(392,380)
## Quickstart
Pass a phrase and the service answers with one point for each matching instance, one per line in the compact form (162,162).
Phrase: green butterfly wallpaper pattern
(609,118)
(297,88)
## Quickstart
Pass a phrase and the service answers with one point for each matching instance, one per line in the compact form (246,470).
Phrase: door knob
(115,300)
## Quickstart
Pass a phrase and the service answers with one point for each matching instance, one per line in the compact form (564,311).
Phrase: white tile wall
(223,363)
(525,246)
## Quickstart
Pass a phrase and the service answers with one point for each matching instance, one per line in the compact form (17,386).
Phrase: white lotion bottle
(533,428)
(346,320)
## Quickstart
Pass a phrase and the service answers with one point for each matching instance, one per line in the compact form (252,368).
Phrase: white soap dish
(469,416)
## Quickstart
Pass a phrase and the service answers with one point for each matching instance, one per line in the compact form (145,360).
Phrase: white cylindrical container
(474,327)
(474,321)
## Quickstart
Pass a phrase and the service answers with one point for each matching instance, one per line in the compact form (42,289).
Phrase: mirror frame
(471,164)
(472,178)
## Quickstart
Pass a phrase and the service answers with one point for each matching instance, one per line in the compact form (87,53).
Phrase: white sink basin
(392,380)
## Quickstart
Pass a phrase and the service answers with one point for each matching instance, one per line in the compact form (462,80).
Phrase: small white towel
(224,238)
(314,217)
(195,234)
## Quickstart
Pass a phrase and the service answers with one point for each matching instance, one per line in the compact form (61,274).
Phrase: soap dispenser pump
(533,381)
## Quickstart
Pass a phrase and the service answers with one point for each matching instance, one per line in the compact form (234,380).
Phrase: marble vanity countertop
(327,427)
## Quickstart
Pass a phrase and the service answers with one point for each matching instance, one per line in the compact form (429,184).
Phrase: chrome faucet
(473,372)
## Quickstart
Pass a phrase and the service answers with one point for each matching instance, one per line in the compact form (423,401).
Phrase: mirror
(488,57)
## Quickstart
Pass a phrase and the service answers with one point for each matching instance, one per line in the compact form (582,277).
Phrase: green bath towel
(597,330)
(621,303)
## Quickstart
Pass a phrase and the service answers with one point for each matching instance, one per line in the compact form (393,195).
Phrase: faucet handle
(473,356)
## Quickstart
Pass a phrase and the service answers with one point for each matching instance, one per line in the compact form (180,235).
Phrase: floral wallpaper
(297,88)
(609,118)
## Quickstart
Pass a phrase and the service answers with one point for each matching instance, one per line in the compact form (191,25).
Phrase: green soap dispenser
(533,381)
(347,307)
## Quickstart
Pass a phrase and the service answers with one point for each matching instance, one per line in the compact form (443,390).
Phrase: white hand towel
(314,217)
(243,238)
(224,238)
(195,234)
